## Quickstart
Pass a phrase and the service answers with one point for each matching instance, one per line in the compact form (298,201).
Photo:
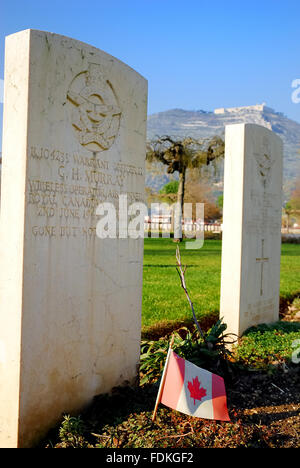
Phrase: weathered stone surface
(251,227)
(70,303)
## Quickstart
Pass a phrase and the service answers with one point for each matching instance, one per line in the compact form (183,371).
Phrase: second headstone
(251,245)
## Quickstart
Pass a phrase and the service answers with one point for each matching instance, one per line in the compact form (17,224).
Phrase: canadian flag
(192,390)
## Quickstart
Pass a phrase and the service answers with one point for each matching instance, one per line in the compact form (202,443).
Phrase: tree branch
(181,273)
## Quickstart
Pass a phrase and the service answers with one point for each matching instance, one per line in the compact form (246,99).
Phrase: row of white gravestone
(70,304)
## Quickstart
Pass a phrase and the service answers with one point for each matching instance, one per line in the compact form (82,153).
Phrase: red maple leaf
(196,392)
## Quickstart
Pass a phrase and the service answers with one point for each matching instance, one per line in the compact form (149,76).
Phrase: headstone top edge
(246,125)
(38,32)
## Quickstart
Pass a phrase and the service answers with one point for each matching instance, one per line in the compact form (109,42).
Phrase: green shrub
(267,344)
(71,432)
(208,352)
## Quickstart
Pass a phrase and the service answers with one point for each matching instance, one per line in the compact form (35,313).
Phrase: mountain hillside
(199,124)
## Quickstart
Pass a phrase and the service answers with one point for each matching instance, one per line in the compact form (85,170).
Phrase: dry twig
(181,273)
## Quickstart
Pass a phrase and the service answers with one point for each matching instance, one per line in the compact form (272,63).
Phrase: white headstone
(70,303)
(251,243)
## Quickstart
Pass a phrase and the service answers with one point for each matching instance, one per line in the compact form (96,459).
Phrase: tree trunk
(179,209)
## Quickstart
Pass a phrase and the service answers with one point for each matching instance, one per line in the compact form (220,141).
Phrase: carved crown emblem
(96,113)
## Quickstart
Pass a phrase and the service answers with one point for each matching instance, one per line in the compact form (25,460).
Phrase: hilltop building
(231,110)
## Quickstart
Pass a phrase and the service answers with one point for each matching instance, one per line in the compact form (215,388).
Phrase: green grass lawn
(163,297)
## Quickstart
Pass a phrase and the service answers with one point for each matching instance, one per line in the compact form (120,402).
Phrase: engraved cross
(262,260)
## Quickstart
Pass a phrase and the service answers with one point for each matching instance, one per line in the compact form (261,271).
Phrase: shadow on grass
(166,327)
(286,301)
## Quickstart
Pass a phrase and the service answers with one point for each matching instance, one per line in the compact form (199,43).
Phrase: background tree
(181,155)
(170,188)
(295,197)
(288,211)
(200,191)
(220,201)
(292,207)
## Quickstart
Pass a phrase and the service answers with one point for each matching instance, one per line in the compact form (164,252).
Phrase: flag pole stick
(163,378)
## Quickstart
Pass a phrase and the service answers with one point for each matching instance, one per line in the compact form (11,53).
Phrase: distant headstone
(251,244)
(70,303)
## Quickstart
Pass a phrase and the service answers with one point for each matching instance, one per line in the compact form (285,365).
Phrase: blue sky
(195,54)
